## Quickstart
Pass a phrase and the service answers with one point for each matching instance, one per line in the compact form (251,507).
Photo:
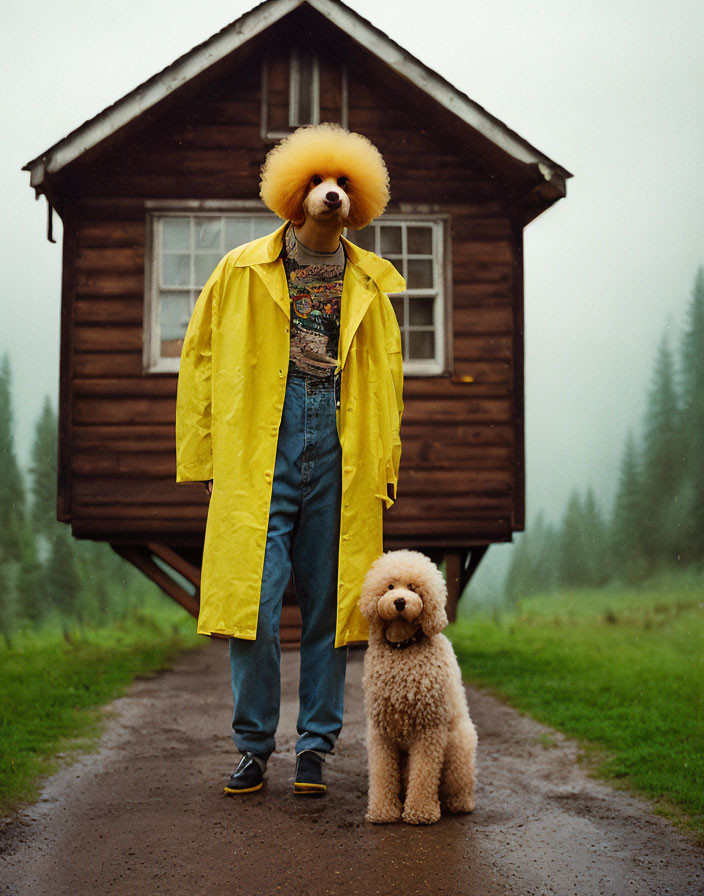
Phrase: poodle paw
(383,815)
(424,815)
(460,805)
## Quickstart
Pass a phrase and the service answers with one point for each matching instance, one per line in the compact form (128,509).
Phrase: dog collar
(417,635)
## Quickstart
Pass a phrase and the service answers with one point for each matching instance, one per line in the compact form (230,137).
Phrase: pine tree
(544,555)
(595,542)
(12,501)
(7,609)
(626,544)
(573,546)
(663,465)
(534,562)
(33,602)
(99,581)
(548,561)
(63,583)
(42,472)
(693,421)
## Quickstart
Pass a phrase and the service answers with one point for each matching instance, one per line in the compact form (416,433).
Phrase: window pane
(363,238)
(176,234)
(397,302)
(420,240)
(208,233)
(174,314)
(205,265)
(420,312)
(176,270)
(391,241)
(237,232)
(421,344)
(263,226)
(420,273)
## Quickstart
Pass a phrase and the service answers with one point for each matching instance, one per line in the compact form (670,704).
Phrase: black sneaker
(309,775)
(247,777)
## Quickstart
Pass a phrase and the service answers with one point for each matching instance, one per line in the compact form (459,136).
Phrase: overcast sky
(610,89)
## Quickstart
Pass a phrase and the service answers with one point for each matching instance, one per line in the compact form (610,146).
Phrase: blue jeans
(303,535)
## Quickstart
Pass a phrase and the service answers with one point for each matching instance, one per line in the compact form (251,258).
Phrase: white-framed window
(300,89)
(416,248)
(183,250)
(185,245)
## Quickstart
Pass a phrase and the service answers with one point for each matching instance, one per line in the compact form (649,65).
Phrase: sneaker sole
(309,789)
(244,789)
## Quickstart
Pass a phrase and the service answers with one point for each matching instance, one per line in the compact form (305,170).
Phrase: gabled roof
(248,26)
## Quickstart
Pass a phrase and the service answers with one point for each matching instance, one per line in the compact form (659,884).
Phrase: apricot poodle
(420,738)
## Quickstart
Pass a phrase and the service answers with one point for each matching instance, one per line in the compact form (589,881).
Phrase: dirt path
(146,814)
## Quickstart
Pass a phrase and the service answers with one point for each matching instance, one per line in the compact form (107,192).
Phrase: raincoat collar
(365,275)
(263,250)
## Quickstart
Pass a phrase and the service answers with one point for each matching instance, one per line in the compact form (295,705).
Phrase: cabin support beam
(167,555)
(142,557)
(460,566)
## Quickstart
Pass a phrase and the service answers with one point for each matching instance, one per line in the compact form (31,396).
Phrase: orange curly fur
(329,151)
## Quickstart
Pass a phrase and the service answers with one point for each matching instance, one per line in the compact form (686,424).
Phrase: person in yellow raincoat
(289,408)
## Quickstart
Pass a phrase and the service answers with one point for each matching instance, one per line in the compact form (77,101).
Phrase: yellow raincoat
(231,391)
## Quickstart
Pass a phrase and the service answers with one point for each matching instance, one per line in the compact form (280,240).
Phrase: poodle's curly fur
(328,151)
(420,738)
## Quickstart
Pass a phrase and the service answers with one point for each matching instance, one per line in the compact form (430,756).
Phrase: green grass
(52,684)
(622,670)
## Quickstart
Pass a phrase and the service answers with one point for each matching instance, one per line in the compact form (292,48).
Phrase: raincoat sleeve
(194,456)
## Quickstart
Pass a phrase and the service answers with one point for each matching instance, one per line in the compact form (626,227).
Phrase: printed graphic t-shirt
(315,290)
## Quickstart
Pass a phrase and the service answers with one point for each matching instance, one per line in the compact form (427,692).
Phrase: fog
(611,91)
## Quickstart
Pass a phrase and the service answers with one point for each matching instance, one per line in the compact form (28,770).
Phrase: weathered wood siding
(462,467)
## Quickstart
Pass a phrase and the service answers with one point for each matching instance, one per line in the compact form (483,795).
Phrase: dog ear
(372,590)
(368,600)
(433,618)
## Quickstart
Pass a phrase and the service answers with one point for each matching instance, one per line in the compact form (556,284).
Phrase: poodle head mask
(405,585)
(324,170)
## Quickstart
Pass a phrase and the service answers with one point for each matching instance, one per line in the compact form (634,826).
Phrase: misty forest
(48,578)
(656,521)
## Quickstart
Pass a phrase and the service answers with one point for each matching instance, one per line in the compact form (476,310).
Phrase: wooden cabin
(156,188)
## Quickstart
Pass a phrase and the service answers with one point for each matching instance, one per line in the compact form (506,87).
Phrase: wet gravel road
(146,813)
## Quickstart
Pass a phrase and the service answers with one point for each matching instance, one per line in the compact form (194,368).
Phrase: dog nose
(332,196)
(400,604)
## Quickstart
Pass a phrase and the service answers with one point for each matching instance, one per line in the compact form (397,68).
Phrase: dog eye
(391,587)
(342,182)
(316,180)
(411,587)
